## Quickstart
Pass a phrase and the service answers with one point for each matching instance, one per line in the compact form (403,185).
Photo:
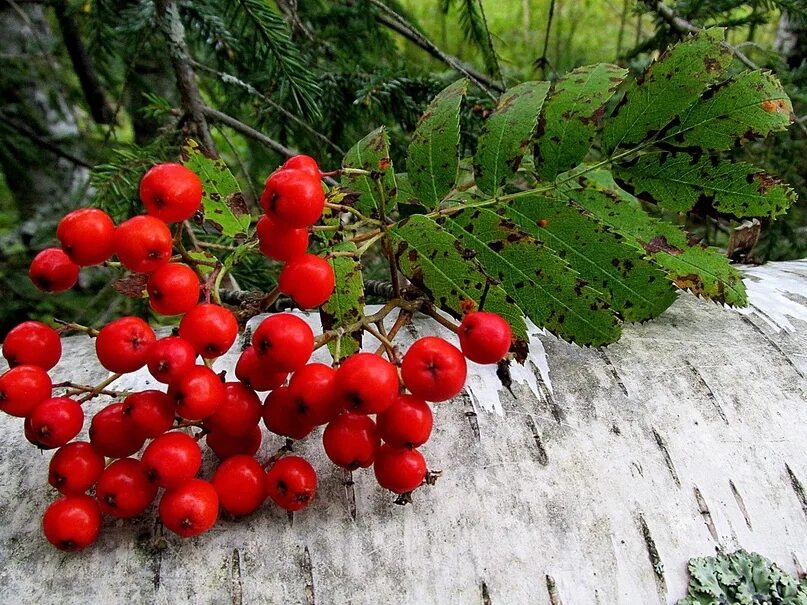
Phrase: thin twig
(100,387)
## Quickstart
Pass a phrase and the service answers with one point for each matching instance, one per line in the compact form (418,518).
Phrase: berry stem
(403,318)
(351,210)
(74,388)
(386,343)
(286,449)
(330,335)
(428,309)
(100,387)
(69,325)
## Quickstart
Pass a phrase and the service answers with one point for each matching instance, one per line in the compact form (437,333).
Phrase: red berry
(434,369)
(313,389)
(238,414)
(190,508)
(399,469)
(485,337)
(151,412)
(406,423)
(366,384)
(143,243)
(124,489)
(279,242)
(291,483)
(211,329)
(255,374)
(240,482)
(56,421)
(171,192)
(72,522)
(172,458)
(226,447)
(32,343)
(173,289)
(198,393)
(22,388)
(351,441)
(303,163)
(169,358)
(308,279)
(283,341)
(293,198)
(53,271)
(280,415)
(122,345)
(87,236)
(111,433)
(75,468)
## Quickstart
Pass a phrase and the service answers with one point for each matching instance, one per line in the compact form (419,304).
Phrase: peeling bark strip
(740,504)
(540,454)
(798,488)
(546,394)
(709,392)
(614,373)
(552,589)
(655,559)
(667,459)
(774,344)
(350,493)
(471,415)
(308,574)
(238,588)
(486,595)
(707,516)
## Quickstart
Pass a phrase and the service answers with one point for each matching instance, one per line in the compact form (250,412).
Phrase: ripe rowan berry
(366,384)
(143,243)
(240,482)
(399,470)
(72,522)
(123,344)
(303,163)
(150,412)
(291,483)
(189,509)
(198,393)
(172,458)
(111,434)
(280,415)
(173,289)
(278,242)
(226,447)
(434,369)
(255,374)
(75,468)
(313,390)
(484,337)
(87,236)
(238,414)
(53,271)
(56,421)
(22,388)
(171,192)
(351,440)
(308,279)
(169,358)
(406,423)
(211,329)
(32,343)
(293,198)
(124,489)
(283,341)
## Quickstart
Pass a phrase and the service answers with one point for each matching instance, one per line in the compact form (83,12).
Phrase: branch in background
(398,24)
(100,109)
(542,61)
(189,93)
(44,143)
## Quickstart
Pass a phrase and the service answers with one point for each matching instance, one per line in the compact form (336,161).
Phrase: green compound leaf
(346,304)
(438,264)
(433,157)
(668,87)
(406,193)
(703,271)
(506,134)
(378,190)
(751,106)
(678,181)
(633,285)
(551,294)
(572,115)
(223,204)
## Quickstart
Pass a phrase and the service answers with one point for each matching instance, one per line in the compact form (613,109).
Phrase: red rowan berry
(56,421)
(313,390)
(75,467)
(112,435)
(72,522)
(22,388)
(32,343)
(399,470)
(280,415)
(283,341)
(172,458)
(189,509)
(279,242)
(171,192)
(240,483)
(211,329)
(292,483)
(53,271)
(87,236)
(238,414)
(122,345)
(484,337)
(303,163)
(434,369)
(255,374)
(406,423)
(169,358)
(143,243)
(173,289)
(351,440)
(366,383)
(124,489)
(308,279)
(150,412)
(198,393)
(226,447)
(293,198)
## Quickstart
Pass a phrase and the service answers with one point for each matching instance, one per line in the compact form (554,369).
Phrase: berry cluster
(374,410)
